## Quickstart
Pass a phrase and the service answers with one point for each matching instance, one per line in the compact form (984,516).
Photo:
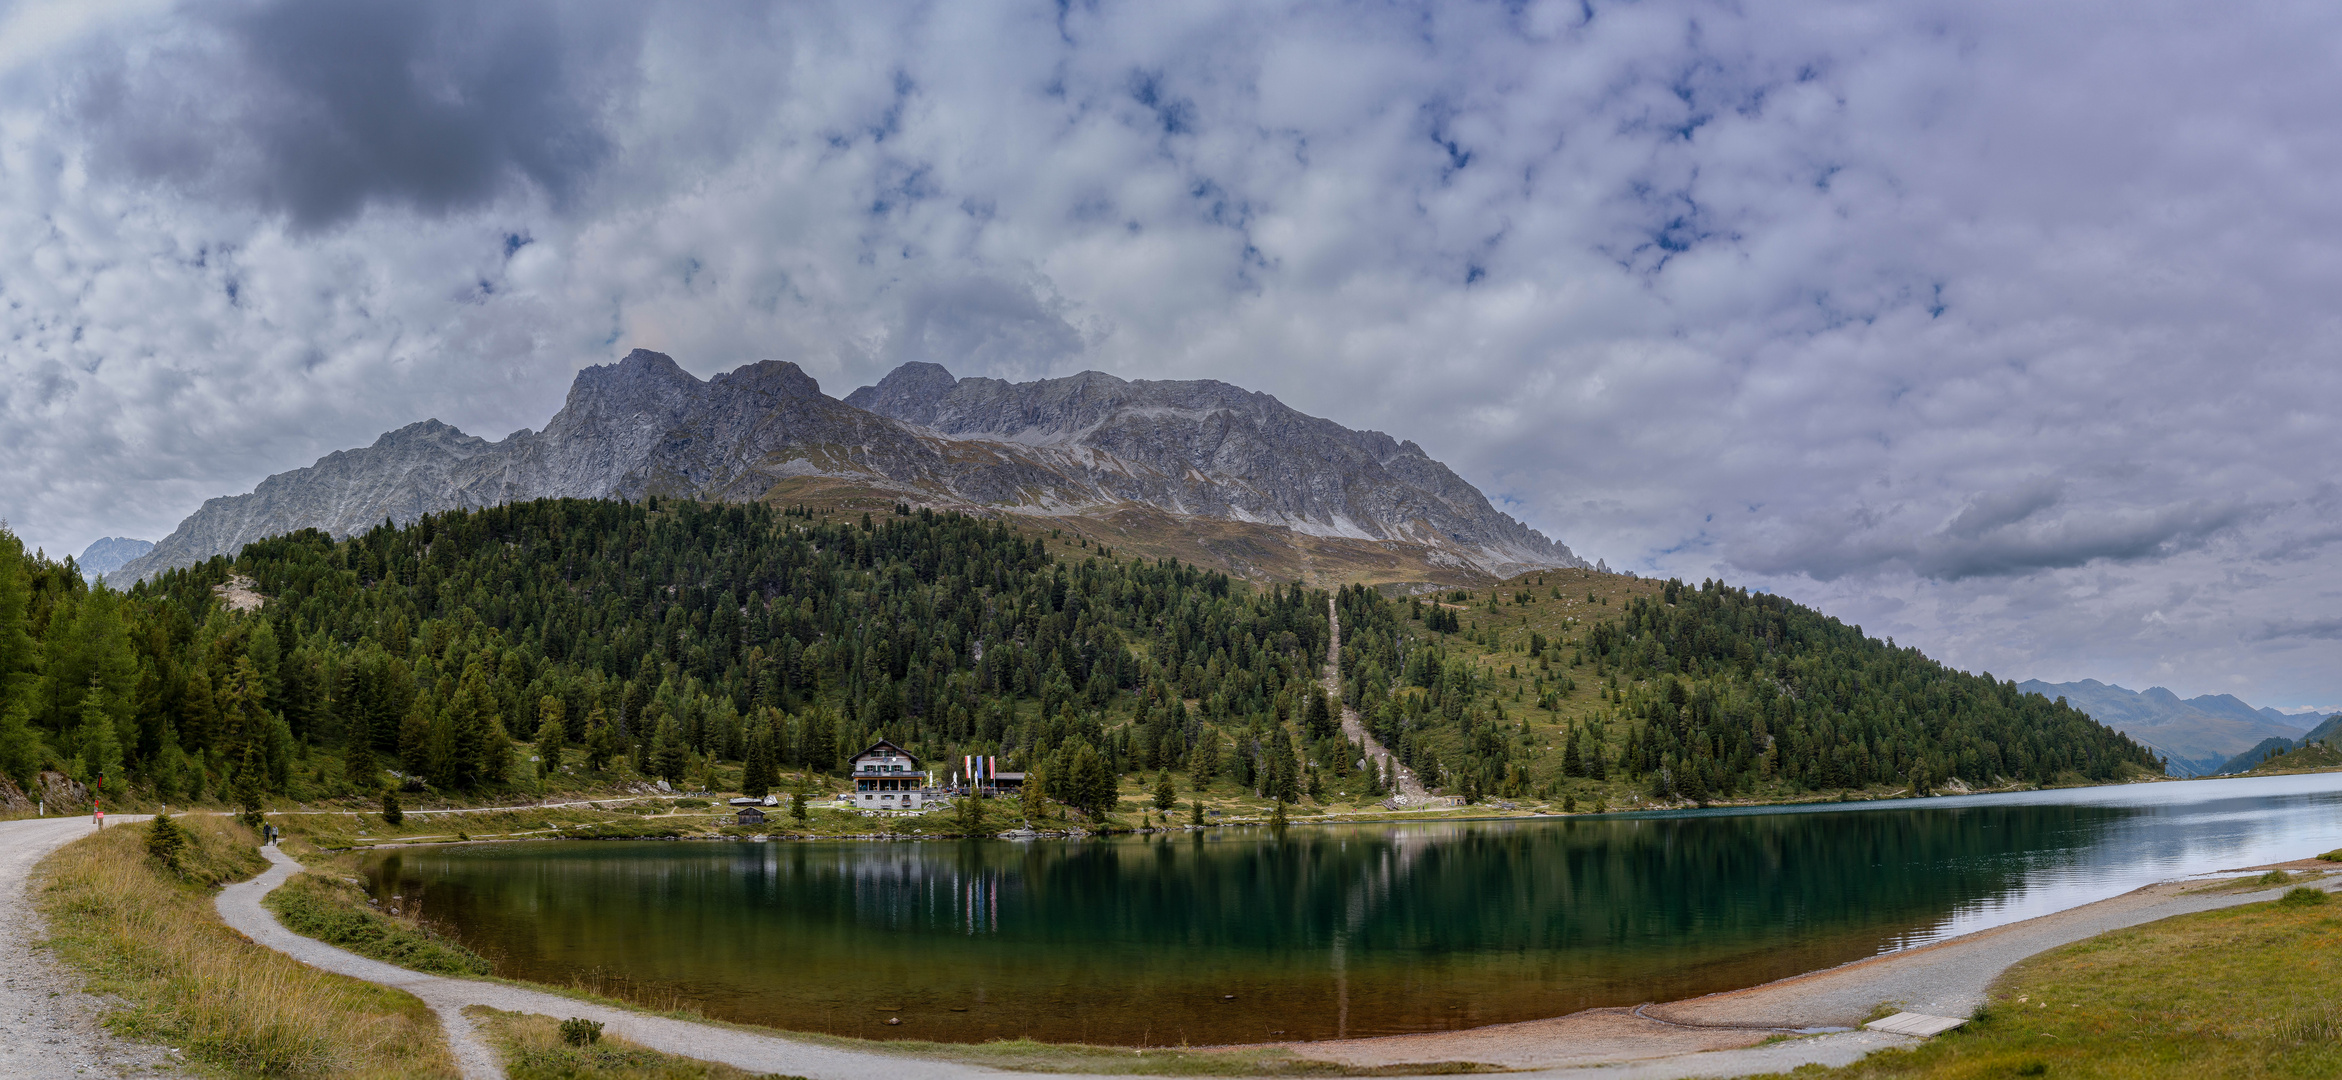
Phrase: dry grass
(2242,992)
(532,1050)
(154,939)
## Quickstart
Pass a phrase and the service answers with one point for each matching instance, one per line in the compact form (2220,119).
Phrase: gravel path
(1353,725)
(49,1028)
(240,905)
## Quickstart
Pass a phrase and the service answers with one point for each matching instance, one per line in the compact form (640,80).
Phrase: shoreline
(1945,978)
(1728,1033)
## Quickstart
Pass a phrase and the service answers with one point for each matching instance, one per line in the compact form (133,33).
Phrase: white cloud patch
(2004,328)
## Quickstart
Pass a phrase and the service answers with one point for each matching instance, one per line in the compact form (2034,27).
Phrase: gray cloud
(319,110)
(1999,327)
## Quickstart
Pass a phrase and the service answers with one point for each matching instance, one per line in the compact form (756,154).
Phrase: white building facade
(887,777)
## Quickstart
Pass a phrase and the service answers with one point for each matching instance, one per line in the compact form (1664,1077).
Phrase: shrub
(579,1031)
(2273,877)
(2304,896)
(165,840)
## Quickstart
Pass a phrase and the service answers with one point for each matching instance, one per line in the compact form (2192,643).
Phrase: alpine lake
(1238,935)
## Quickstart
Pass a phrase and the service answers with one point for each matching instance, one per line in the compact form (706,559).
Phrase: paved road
(1410,788)
(49,1028)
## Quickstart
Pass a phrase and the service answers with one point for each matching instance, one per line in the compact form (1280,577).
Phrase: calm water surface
(1330,931)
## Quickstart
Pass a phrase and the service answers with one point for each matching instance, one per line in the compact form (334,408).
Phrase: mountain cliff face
(1214,450)
(1085,444)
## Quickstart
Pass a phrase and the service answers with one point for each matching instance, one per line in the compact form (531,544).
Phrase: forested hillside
(1699,693)
(688,641)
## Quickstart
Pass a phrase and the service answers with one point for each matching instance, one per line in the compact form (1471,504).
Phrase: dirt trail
(48,1026)
(1410,788)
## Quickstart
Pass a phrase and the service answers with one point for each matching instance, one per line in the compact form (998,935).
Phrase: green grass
(335,911)
(2243,992)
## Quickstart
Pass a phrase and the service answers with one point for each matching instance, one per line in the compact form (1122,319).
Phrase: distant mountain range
(2329,733)
(108,554)
(2197,735)
(1089,444)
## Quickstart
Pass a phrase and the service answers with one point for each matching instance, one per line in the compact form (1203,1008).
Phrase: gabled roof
(882,745)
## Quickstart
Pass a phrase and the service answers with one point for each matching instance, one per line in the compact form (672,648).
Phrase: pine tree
(1284,780)
(1204,763)
(669,757)
(19,655)
(601,743)
(1166,796)
(1318,717)
(20,745)
(757,773)
(552,724)
(354,709)
(392,813)
(98,754)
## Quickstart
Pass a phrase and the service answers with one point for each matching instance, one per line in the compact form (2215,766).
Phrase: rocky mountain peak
(1086,443)
(770,378)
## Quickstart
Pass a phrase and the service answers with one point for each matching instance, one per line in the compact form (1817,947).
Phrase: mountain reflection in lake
(1327,932)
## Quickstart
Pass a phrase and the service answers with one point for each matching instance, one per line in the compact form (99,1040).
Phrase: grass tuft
(534,1048)
(153,938)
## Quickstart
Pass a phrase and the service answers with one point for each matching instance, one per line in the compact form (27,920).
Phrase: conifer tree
(668,757)
(1318,716)
(1204,761)
(757,774)
(20,745)
(601,743)
(1166,796)
(97,752)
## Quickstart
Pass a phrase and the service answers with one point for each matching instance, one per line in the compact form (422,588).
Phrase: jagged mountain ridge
(1205,447)
(1088,443)
(2197,735)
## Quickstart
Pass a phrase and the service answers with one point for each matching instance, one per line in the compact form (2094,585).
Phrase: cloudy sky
(2008,329)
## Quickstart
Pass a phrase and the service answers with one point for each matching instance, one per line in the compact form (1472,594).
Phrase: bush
(2274,877)
(579,1031)
(164,841)
(2304,896)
